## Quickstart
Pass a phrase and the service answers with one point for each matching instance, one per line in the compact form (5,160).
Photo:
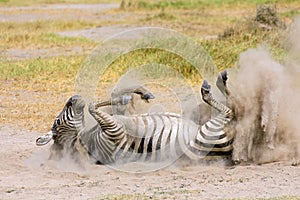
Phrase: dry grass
(50,81)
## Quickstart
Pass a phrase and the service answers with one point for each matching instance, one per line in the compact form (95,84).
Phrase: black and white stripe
(158,136)
(161,136)
(212,139)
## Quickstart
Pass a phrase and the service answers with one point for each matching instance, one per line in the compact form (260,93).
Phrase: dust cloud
(266,99)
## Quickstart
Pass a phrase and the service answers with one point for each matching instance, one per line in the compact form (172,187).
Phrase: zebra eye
(57,121)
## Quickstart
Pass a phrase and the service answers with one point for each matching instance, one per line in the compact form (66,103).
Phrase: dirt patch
(98,34)
(19,54)
(25,173)
(50,12)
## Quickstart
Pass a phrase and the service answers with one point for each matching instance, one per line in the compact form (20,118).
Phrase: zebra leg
(125,97)
(221,83)
(108,138)
(142,91)
(208,98)
(213,140)
(123,100)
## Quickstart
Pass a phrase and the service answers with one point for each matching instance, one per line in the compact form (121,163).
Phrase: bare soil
(26,173)
(49,12)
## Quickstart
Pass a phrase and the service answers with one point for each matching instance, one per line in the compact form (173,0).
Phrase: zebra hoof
(42,140)
(148,96)
(205,86)
(93,106)
(224,75)
(126,99)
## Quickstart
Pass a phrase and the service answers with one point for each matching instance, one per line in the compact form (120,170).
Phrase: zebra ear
(79,107)
(78,103)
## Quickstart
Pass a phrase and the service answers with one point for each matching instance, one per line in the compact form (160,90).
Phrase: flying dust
(266,99)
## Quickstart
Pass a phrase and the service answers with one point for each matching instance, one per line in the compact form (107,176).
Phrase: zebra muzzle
(44,139)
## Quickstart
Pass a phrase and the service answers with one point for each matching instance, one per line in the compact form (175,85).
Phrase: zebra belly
(155,137)
(159,137)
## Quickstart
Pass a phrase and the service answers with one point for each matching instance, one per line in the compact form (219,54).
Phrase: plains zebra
(69,122)
(148,136)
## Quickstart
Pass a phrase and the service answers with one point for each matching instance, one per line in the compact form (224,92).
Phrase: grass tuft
(192,4)
(41,69)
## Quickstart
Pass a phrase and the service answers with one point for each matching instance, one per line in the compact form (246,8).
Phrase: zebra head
(67,124)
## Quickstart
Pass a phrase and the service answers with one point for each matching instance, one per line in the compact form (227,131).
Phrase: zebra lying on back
(156,136)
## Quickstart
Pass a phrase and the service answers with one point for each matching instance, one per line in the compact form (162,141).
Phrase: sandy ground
(46,12)
(26,172)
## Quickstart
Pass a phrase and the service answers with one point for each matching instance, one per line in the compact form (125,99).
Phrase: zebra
(120,100)
(155,136)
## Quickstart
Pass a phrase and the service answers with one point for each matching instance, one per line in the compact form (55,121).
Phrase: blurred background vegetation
(224,28)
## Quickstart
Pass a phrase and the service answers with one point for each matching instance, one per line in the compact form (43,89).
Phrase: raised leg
(208,98)
(221,83)
(144,93)
(126,96)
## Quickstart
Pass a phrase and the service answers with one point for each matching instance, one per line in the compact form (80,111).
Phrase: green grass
(290,13)
(41,69)
(45,26)
(192,4)
(41,34)
(225,52)
(146,56)
(42,40)
(191,17)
